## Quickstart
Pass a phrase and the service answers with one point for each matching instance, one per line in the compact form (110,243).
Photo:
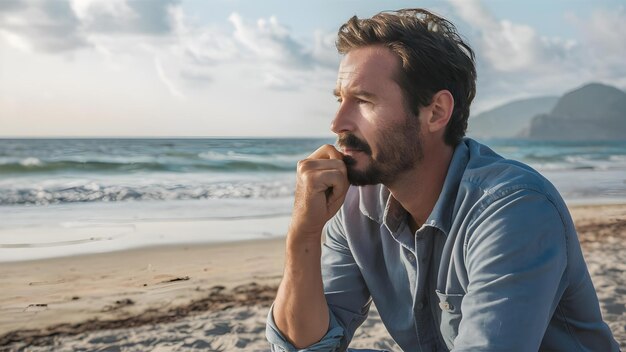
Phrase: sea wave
(30,162)
(36,166)
(95,192)
(574,161)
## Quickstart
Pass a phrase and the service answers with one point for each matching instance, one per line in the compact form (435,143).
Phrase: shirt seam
(568,327)
(493,196)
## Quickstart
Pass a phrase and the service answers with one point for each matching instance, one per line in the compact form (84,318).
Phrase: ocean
(75,196)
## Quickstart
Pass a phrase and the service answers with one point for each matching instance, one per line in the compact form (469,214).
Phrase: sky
(247,68)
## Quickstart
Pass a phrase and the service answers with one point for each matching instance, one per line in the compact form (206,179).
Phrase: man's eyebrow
(356,93)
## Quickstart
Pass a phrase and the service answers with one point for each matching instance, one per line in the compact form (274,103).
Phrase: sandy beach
(215,297)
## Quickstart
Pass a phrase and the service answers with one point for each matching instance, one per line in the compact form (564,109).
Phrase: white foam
(43,190)
(30,162)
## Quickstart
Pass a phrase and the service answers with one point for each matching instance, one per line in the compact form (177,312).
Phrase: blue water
(40,172)
(111,156)
(55,171)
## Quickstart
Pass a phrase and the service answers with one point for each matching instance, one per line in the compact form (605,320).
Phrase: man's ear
(441,107)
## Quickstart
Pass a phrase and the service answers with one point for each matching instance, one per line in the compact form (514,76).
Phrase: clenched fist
(321,186)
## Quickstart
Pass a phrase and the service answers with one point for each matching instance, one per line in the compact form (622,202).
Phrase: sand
(215,297)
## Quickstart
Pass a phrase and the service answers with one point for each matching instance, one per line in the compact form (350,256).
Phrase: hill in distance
(592,112)
(510,119)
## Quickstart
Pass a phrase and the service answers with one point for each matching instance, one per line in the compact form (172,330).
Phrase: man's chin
(361,172)
(363,177)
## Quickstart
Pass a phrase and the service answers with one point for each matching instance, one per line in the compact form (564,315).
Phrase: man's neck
(418,189)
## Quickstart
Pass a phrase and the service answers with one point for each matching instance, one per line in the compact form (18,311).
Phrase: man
(458,248)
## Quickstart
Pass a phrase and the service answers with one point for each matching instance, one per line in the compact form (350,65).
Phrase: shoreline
(34,233)
(158,290)
(164,247)
(274,228)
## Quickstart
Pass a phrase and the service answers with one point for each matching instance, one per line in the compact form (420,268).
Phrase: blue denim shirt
(496,267)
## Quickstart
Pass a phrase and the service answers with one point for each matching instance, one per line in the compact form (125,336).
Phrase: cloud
(59,26)
(508,46)
(166,81)
(202,45)
(273,81)
(603,32)
(47,25)
(195,78)
(284,62)
(10,5)
(270,41)
(125,16)
(324,52)
(127,32)
(65,25)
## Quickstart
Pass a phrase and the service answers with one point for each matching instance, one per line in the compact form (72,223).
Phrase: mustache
(350,141)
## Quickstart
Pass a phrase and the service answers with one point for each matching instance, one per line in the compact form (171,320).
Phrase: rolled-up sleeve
(330,342)
(516,256)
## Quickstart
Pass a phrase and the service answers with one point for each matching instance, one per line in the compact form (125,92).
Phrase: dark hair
(433,56)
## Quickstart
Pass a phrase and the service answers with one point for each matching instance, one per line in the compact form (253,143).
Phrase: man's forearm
(300,310)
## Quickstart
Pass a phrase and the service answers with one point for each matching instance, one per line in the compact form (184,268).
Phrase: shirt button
(410,257)
(419,306)
(445,306)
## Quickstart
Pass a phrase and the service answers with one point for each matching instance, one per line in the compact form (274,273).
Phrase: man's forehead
(347,74)
(367,66)
(352,81)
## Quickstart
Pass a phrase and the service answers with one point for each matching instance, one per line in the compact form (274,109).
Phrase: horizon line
(164,137)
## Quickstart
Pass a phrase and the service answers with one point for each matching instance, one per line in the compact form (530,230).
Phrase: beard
(399,149)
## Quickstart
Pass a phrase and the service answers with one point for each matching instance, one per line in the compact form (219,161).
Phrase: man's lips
(351,151)
(350,144)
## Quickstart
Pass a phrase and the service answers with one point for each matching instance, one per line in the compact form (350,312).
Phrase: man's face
(375,131)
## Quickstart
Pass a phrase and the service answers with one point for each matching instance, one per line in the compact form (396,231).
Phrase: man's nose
(344,120)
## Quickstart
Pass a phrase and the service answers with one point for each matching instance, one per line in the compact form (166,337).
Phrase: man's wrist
(300,242)
(300,234)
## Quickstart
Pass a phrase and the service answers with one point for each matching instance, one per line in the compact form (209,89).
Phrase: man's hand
(321,186)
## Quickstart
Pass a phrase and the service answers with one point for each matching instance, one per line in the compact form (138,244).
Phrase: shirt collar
(377,203)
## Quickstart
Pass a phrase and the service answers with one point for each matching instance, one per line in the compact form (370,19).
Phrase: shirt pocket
(450,307)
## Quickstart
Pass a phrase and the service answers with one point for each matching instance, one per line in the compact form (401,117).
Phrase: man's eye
(355,100)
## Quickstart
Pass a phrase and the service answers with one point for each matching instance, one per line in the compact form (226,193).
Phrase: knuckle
(301,166)
(330,148)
